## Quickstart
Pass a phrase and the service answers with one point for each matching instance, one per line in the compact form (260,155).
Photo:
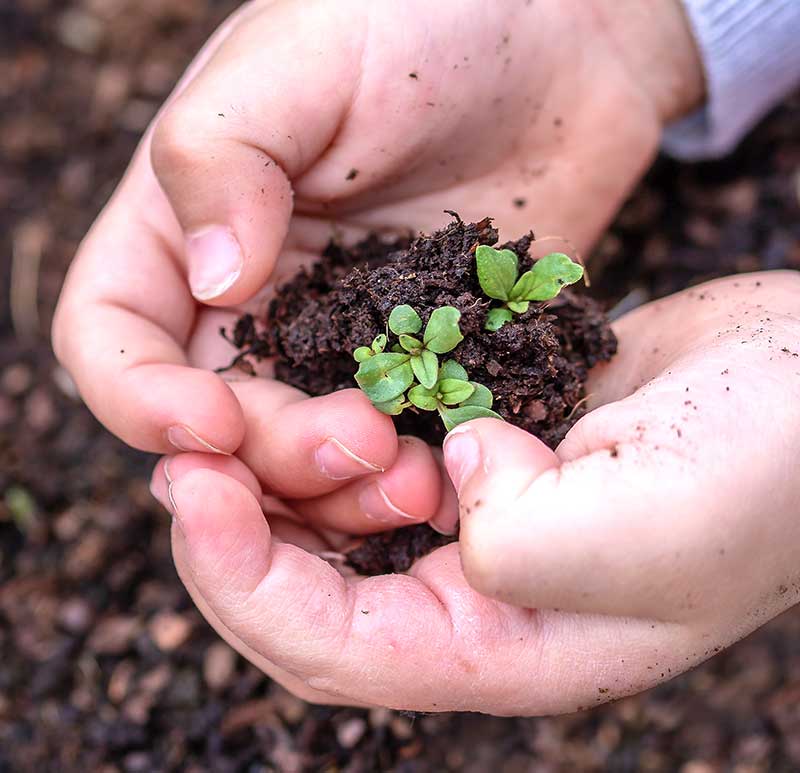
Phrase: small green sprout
(454,396)
(409,354)
(385,376)
(498,274)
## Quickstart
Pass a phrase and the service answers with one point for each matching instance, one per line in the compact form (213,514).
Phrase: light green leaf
(442,333)
(520,307)
(426,368)
(452,417)
(404,319)
(496,318)
(454,391)
(451,369)
(497,271)
(546,278)
(385,376)
(410,344)
(379,343)
(397,348)
(362,353)
(423,398)
(482,396)
(393,407)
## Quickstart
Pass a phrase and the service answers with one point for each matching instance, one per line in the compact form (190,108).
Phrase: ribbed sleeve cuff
(751,55)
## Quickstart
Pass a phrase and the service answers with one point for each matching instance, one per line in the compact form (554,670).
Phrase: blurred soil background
(104,664)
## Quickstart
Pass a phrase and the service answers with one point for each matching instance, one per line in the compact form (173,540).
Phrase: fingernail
(337,462)
(166,471)
(172,502)
(215,261)
(462,455)
(186,439)
(376,504)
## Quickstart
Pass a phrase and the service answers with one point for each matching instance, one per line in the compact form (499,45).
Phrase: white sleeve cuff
(751,56)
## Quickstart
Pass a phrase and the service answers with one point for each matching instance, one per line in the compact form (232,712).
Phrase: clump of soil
(535,366)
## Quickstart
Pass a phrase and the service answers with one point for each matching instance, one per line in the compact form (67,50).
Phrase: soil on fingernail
(536,366)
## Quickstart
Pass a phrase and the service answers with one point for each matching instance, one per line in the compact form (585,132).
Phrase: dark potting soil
(535,366)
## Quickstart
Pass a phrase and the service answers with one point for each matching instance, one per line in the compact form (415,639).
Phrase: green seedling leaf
(410,344)
(452,417)
(379,343)
(451,369)
(397,348)
(497,271)
(404,319)
(423,398)
(385,376)
(426,368)
(520,307)
(546,278)
(362,354)
(496,318)
(442,333)
(454,391)
(482,396)
(393,407)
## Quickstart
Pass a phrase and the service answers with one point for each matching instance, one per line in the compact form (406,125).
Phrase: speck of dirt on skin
(122,351)
(782,590)
(557,122)
(364,611)
(478,502)
(221,115)
(602,690)
(414,76)
(614,452)
(519,202)
(352,174)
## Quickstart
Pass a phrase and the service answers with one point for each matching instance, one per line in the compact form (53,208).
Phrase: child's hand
(360,114)
(664,528)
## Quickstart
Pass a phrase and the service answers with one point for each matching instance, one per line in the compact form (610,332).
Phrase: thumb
(226,147)
(596,533)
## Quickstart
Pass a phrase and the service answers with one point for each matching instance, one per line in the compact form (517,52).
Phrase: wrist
(657,47)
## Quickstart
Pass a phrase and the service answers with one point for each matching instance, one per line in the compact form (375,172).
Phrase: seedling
(385,376)
(498,274)
(454,396)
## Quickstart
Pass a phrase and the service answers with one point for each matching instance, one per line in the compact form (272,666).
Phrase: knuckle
(176,139)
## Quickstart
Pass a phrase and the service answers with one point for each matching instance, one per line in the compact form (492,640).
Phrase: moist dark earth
(104,664)
(535,366)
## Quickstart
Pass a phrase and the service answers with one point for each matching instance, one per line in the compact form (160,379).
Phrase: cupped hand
(304,119)
(662,529)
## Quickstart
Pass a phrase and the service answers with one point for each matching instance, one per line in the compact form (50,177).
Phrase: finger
(445,519)
(125,314)
(170,467)
(408,492)
(304,447)
(283,526)
(225,150)
(635,506)
(360,640)
(122,336)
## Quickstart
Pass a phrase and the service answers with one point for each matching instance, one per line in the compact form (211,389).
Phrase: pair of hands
(653,535)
